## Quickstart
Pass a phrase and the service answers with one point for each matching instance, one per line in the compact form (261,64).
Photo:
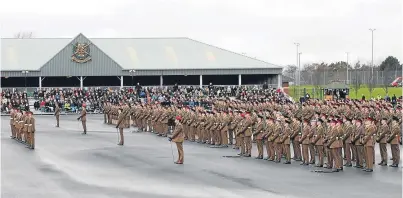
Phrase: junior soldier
(368,142)
(383,132)
(13,115)
(319,141)
(305,143)
(357,136)
(295,137)
(57,114)
(347,137)
(239,133)
(121,124)
(83,117)
(277,141)
(178,138)
(259,137)
(285,139)
(30,121)
(106,112)
(268,136)
(248,135)
(393,140)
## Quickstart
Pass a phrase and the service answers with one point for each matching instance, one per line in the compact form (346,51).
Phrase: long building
(82,62)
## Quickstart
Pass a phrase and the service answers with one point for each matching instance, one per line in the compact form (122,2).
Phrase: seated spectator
(42,105)
(36,105)
(67,106)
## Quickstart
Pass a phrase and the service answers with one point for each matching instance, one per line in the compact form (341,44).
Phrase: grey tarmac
(66,164)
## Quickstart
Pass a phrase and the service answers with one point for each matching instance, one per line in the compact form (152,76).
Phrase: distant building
(83,62)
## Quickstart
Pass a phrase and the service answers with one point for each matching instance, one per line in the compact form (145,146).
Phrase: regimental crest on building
(81,53)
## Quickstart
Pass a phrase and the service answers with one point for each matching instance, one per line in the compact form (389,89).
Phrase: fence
(364,77)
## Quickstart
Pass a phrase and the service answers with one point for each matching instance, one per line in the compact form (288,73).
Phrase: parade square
(66,164)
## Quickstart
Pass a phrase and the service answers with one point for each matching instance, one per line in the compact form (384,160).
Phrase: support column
(121,82)
(239,79)
(201,81)
(161,80)
(40,83)
(279,81)
(81,82)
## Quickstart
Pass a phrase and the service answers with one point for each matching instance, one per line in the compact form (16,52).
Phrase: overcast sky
(265,29)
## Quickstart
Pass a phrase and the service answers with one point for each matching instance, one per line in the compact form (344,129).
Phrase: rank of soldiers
(22,125)
(341,133)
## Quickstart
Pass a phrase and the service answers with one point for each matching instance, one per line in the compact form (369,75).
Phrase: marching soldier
(121,124)
(178,138)
(393,140)
(83,117)
(57,114)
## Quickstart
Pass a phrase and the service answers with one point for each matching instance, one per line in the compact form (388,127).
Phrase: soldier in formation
(22,125)
(328,134)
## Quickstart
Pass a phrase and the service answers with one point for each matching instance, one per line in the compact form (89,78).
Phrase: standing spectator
(394,99)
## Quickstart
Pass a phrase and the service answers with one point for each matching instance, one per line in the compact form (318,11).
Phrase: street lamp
(132,71)
(299,69)
(372,61)
(25,72)
(347,68)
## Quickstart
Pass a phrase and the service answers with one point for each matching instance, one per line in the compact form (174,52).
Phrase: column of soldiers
(22,125)
(317,132)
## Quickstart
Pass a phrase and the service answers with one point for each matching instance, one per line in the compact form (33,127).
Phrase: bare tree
(290,71)
(387,79)
(23,35)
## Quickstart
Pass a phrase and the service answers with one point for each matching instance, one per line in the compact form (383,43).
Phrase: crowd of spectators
(17,100)
(71,99)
